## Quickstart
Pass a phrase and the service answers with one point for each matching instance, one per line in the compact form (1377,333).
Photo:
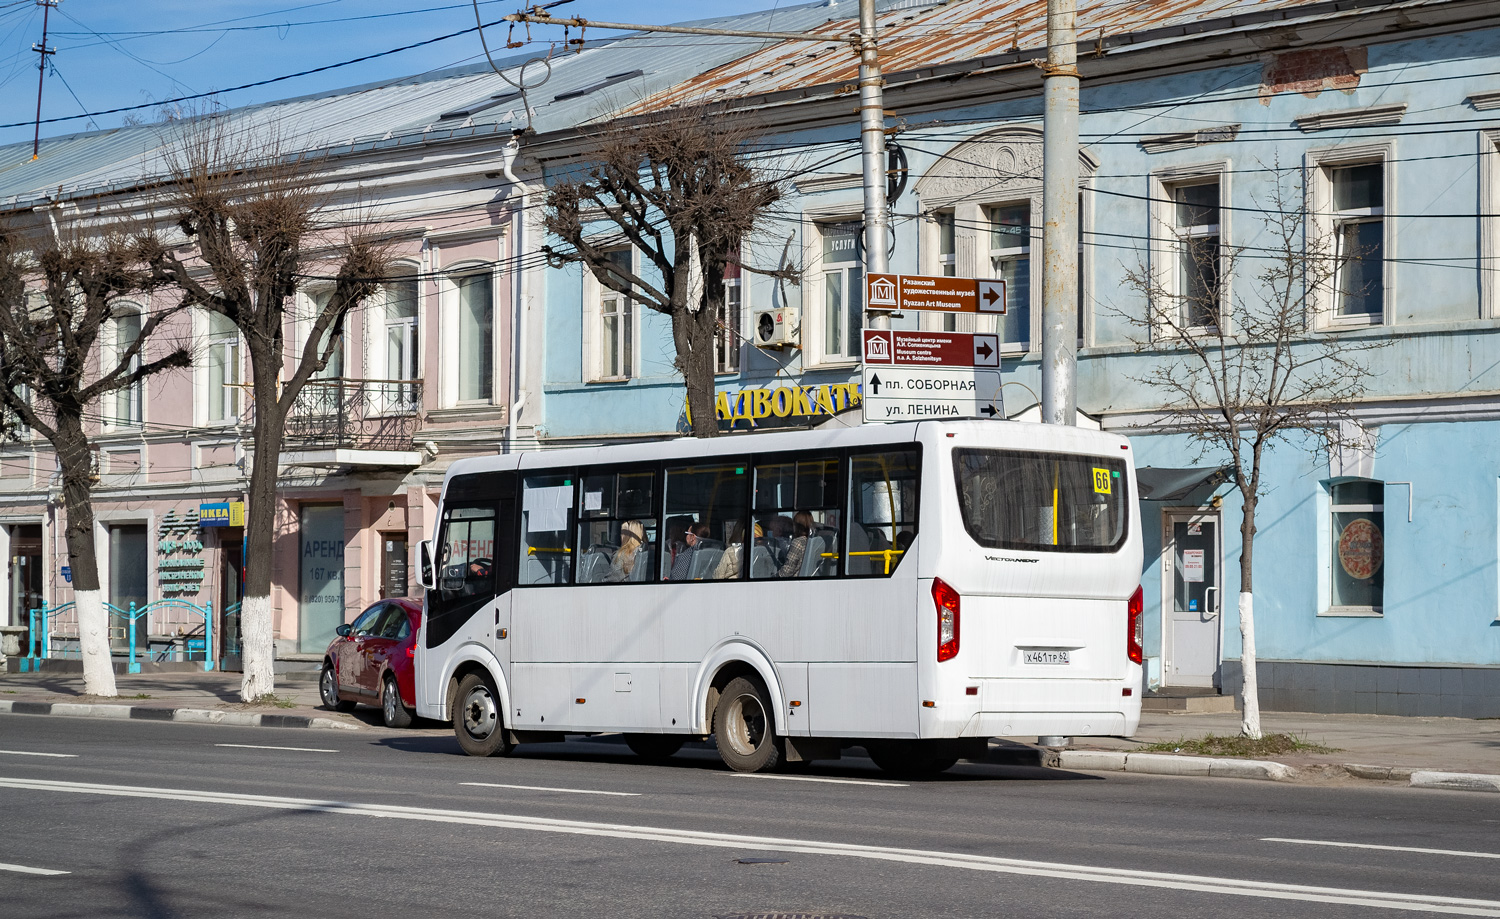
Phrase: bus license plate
(1045,656)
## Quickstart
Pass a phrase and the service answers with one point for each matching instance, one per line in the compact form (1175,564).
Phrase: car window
(397,624)
(365,624)
(405,629)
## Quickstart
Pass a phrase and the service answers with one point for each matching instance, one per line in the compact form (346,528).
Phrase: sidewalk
(1395,747)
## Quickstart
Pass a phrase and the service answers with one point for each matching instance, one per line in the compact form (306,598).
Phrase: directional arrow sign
(899,393)
(986,351)
(875,383)
(901,292)
(991,296)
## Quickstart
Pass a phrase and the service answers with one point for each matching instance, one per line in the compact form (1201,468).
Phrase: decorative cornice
(1163,143)
(835,182)
(1484,102)
(1370,117)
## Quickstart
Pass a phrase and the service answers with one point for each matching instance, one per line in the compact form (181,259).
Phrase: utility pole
(1060,215)
(872,152)
(44,52)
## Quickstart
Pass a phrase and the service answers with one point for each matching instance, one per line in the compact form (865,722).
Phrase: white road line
(1366,845)
(1246,887)
(22,869)
(813,778)
(31,753)
(255,746)
(571,791)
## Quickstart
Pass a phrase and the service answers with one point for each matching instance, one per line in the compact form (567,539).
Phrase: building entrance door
(129,557)
(1191,597)
(231,594)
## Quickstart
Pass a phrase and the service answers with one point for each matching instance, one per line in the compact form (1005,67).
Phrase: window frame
(816,354)
(1330,510)
(1167,239)
(135,393)
(393,398)
(230,399)
(1489,223)
(595,296)
(991,253)
(729,337)
(1323,223)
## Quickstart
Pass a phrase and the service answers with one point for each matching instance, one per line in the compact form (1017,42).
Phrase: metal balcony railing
(343,413)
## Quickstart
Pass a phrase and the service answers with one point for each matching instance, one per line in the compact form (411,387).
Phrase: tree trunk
(76,460)
(257,642)
(1250,723)
(693,334)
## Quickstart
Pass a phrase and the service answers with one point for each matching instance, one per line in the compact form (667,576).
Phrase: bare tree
(57,370)
(683,192)
(1241,367)
(255,218)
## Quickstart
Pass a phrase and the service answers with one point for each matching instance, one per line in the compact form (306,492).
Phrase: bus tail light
(1135,624)
(946,599)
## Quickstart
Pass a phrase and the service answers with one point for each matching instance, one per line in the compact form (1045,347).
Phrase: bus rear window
(1051,502)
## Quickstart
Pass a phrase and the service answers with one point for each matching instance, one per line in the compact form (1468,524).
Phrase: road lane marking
(32,753)
(1239,887)
(256,746)
(571,791)
(814,778)
(22,869)
(1366,845)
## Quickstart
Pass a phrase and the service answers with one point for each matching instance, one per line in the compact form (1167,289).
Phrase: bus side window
(465,566)
(546,546)
(883,491)
(797,525)
(617,527)
(703,535)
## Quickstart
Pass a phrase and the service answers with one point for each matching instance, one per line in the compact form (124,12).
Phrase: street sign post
(901,292)
(913,375)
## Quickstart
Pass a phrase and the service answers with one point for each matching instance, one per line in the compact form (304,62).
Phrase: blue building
(1373,127)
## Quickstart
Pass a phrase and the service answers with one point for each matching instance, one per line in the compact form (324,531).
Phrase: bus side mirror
(425,565)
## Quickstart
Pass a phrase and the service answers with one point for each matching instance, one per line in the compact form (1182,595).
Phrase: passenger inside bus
(806,550)
(685,555)
(728,568)
(622,565)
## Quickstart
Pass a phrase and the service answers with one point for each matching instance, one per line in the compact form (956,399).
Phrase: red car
(372,661)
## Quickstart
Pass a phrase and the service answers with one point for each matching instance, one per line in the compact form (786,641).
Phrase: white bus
(914,589)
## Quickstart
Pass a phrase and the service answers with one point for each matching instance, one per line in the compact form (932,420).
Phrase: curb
(1264,770)
(179,715)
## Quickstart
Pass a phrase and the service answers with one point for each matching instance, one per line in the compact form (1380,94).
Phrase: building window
(476,337)
(124,405)
(1358,545)
(1359,239)
(947,258)
(402,342)
(617,325)
(223,370)
(843,292)
(1196,280)
(1010,259)
(727,332)
(334,369)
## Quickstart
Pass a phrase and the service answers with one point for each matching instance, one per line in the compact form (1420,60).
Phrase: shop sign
(222,514)
(1192,565)
(783,405)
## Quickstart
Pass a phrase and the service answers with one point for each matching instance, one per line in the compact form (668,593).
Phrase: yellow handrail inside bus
(532,550)
(888,553)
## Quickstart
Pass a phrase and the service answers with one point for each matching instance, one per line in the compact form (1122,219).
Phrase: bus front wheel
(476,718)
(910,759)
(745,728)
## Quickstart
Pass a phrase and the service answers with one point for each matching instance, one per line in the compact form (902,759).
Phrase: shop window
(546,547)
(704,527)
(1010,259)
(1358,531)
(476,337)
(617,527)
(843,292)
(797,525)
(1195,226)
(882,510)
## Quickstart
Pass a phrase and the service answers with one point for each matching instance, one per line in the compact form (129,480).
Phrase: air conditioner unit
(777,328)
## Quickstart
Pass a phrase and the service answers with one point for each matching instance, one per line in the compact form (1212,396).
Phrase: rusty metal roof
(916,37)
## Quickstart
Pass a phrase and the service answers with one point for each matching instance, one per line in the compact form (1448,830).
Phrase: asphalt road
(166,820)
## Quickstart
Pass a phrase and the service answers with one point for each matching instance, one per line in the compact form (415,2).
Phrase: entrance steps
(1187,699)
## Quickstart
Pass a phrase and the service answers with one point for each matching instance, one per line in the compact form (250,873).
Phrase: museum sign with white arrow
(915,375)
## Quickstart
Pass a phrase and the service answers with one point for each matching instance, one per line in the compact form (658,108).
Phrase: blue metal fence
(44,619)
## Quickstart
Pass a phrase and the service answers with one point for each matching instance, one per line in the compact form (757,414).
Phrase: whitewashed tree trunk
(1250,723)
(257,648)
(93,640)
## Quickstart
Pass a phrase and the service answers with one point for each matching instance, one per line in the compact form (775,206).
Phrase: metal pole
(872,152)
(1060,214)
(36,141)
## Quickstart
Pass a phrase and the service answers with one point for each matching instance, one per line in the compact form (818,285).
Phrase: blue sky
(112,54)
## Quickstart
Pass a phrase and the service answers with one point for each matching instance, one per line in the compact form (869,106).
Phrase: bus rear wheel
(476,718)
(745,728)
(654,748)
(910,759)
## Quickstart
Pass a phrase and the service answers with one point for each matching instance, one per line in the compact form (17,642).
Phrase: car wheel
(745,728)
(396,714)
(654,748)
(328,689)
(476,718)
(910,759)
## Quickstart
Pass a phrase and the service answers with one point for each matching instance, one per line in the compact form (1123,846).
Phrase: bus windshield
(1052,502)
